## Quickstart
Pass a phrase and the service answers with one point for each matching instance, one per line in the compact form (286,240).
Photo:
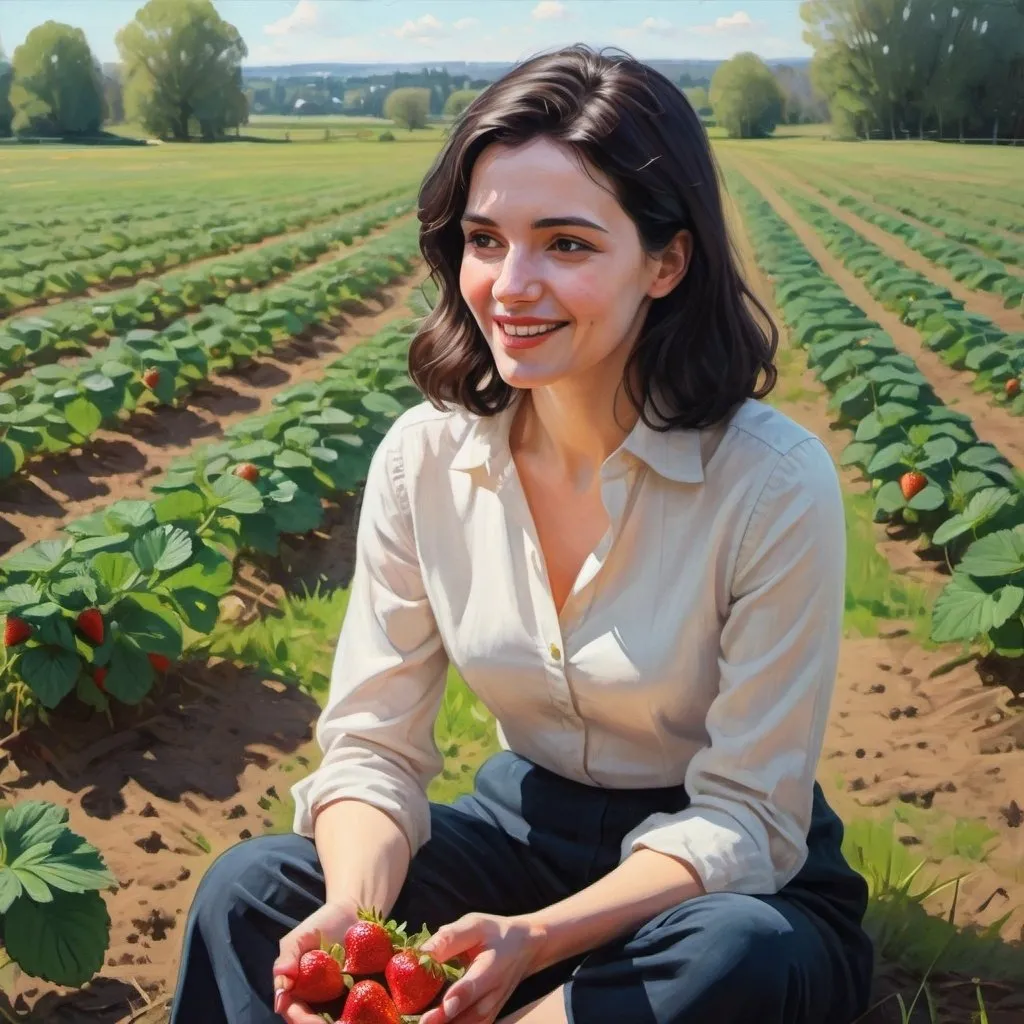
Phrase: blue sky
(291,31)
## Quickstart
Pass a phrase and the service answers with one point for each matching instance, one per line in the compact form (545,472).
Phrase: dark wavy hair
(700,347)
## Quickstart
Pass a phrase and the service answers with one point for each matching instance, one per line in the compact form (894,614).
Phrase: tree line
(180,70)
(919,68)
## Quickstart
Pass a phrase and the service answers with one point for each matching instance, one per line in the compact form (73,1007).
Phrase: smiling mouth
(530,331)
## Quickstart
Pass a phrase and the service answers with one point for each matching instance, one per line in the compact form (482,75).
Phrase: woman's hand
(331,921)
(501,952)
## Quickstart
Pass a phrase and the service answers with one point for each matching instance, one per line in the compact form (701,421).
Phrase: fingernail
(451,1007)
(278,999)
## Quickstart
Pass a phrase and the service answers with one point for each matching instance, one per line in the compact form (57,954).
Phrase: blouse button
(555,652)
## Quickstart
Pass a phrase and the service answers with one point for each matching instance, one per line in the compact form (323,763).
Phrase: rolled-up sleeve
(751,787)
(389,670)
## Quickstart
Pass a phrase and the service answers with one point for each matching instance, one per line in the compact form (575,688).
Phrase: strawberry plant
(54,924)
(925,463)
(963,340)
(68,327)
(61,406)
(105,608)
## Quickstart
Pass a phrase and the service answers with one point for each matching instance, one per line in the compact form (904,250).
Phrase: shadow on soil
(191,736)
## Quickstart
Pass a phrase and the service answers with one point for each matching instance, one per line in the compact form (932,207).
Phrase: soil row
(121,461)
(992,424)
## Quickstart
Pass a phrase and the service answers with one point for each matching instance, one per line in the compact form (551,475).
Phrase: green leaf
(163,549)
(964,611)
(20,595)
(130,674)
(10,888)
(181,506)
(83,417)
(150,623)
(928,500)
(40,558)
(63,941)
(50,673)
(384,404)
(999,554)
(115,570)
(133,514)
(237,495)
(71,865)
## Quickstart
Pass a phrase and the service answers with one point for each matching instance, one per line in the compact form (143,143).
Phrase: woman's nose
(517,280)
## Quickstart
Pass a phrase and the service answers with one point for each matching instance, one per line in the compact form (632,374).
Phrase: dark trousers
(526,838)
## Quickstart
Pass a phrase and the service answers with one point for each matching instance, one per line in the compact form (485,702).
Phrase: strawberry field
(190,393)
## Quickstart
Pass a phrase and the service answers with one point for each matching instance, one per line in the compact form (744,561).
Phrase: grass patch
(874,592)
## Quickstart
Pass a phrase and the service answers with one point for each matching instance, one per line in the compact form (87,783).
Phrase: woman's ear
(672,265)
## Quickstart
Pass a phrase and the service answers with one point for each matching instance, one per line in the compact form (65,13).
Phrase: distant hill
(489,70)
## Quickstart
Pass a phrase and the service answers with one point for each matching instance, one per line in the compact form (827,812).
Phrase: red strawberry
(912,483)
(247,471)
(414,979)
(368,1002)
(159,662)
(99,674)
(17,631)
(369,943)
(151,378)
(1012,387)
(90,622)
(319,979)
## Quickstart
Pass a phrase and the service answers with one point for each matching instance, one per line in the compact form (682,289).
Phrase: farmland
(200,348)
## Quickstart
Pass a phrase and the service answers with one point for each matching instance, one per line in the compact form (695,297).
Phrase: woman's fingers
(463,994)
(452,940)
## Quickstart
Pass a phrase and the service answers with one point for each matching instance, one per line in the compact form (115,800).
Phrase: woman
(634,563)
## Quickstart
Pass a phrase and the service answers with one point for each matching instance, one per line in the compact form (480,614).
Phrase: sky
(297,31)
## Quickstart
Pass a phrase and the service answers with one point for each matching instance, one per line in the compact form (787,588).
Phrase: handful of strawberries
(378,975)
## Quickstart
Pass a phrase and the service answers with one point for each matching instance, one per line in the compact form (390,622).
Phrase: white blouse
(699,644)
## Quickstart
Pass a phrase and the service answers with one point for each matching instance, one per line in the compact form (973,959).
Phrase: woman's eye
(477,239)
(571,241)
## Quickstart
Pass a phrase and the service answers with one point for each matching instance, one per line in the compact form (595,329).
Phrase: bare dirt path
(122,462)
(991,423)
(984,303)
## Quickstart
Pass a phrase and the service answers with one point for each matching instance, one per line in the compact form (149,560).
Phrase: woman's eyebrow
(544,222)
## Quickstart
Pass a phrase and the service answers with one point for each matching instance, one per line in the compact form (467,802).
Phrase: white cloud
(739,22)
(549,10)
(465,23)
(424,27)
(657,26)
(305,18)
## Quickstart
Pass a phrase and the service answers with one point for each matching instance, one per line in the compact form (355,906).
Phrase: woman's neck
(571,427)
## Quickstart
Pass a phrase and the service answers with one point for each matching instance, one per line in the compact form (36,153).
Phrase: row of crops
(963,340)
(103,609)
(926,465)
(62,405)
(75,325)
(181,244)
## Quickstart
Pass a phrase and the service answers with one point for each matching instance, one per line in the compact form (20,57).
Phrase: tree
(408,107)
(459,100)
(746,98)
(6,110)
(57,84)
(182,60)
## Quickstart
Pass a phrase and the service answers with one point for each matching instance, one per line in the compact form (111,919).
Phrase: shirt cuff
(370,779)
(721,848)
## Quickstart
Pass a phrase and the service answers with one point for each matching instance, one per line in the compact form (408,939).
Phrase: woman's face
(553,269)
